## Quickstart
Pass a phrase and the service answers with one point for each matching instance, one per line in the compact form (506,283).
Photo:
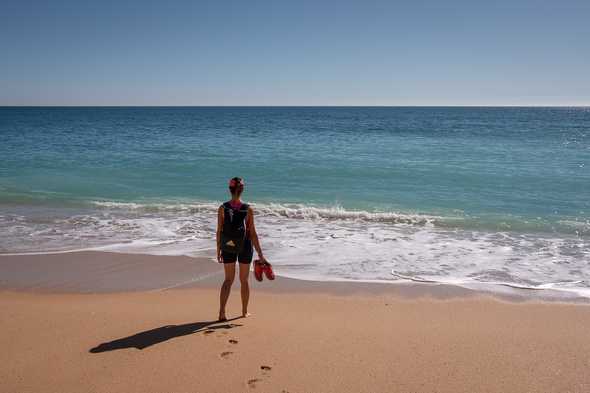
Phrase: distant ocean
(461,195)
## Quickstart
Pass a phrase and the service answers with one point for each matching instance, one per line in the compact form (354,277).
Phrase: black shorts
(245,256)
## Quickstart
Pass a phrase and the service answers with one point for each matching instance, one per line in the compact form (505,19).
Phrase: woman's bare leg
(230,273)
(245,287)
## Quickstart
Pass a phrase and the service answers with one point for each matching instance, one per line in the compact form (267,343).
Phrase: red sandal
(267,269)
(258,269)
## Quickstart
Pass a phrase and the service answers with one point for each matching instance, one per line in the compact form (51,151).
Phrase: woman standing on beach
(236,234)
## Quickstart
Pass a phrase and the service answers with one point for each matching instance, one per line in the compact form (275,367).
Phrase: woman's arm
(218,235)
(253,234)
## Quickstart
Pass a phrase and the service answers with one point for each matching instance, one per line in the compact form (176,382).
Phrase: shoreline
(78,272)
(294,342)
(303,336)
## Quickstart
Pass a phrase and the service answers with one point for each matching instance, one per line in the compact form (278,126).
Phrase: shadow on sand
(155,336)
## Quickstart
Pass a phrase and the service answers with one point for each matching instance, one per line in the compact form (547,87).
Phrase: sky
(337,52)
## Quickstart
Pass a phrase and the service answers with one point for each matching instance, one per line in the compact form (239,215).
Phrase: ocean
(462,195)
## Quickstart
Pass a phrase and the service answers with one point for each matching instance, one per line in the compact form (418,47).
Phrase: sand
(306,338)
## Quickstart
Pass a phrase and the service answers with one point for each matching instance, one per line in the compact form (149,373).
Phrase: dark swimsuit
(239,212)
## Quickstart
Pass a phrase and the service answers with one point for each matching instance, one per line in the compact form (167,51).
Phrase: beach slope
(294,342)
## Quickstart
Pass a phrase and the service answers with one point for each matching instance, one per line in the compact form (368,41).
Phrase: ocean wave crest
(294,211)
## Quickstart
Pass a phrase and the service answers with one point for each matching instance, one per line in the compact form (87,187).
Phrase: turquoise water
(510,183)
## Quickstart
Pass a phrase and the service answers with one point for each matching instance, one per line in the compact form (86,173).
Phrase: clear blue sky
(295,53)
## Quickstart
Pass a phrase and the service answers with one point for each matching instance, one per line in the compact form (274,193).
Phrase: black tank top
(234,220)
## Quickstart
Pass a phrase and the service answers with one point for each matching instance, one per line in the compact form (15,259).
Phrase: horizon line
(299,106)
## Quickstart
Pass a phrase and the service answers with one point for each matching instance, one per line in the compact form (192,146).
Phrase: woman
(236,234)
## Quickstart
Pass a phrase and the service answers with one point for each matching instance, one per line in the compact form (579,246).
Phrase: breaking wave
(318,243)
(296,211)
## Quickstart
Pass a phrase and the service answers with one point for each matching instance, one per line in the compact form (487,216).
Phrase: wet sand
(302,337)
(107,272)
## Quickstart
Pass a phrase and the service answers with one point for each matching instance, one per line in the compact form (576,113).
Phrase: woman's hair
(236,185)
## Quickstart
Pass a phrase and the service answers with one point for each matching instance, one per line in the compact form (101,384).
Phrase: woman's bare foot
(246,314)
(222,317)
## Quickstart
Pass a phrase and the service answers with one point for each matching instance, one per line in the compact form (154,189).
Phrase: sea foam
(320,243)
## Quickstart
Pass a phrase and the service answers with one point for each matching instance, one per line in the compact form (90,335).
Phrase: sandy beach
(302,337)
(415,173)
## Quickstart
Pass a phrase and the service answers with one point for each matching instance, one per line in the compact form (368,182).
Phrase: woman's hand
(219,257)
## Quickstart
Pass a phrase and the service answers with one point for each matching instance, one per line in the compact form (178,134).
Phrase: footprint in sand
(252,382)
(232,341)
(209,331)
(225,355)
